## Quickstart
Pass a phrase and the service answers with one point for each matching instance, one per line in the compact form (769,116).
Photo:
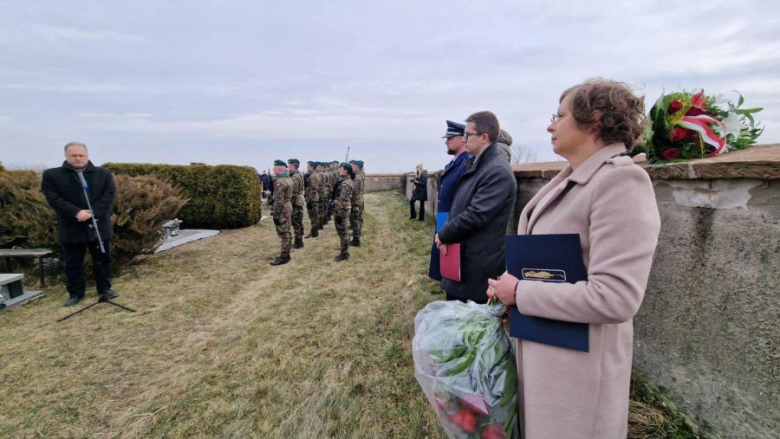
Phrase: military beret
(345,165)
(359,163)
(296,161)
(278,162)
(351,162)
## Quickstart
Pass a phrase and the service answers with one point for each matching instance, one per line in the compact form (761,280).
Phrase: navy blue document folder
(546,258)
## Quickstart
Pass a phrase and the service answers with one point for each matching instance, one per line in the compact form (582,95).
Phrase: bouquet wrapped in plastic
(465,364)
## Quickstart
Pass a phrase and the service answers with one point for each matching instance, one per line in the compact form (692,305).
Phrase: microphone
(81,178)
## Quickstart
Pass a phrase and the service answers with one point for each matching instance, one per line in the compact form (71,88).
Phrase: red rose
(675,106)
(692,135)
(678,134)
(695,111)
(465,420)
(493,431)
(671,153)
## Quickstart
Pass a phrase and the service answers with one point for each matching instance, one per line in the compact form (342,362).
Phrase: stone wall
(385,182)
(708,332)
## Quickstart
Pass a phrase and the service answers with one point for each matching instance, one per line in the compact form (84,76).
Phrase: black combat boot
(344,255)
(314,233)
(281,260)
(298,243)
(355,241)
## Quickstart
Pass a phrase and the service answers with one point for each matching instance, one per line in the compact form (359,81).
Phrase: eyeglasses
(467,134)
(554,118)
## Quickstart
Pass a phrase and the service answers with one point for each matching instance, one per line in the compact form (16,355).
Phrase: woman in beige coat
(609,201)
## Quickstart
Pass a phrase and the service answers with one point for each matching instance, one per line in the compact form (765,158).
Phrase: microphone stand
(94,226)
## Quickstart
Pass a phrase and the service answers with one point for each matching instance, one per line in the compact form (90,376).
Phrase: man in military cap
(297,201)
(342,206)
(282,210)
(356,216)
(313,183)
(448,183)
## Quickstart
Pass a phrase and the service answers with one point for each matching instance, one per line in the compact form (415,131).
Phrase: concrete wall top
(760,162)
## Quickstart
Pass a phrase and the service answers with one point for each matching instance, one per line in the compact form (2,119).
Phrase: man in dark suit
(64,191)
(480,212)
(448,182)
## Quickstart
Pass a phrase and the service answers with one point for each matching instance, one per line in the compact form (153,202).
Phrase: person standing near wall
(608,201)
(420,193)
(282,210)
(504,144)
(356,216)
(342,206)
(298,201)
(64,191)
(448,183)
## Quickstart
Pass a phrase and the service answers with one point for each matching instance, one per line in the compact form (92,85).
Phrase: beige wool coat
(609,201)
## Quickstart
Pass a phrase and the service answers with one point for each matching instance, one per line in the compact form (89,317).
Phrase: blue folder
(546,258)
(441,218)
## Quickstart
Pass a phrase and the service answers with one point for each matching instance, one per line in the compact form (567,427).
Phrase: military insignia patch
(544,274)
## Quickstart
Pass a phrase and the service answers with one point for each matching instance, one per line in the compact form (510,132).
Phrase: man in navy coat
(448,183)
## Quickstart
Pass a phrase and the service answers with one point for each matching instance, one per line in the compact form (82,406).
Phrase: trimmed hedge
(26,219)
(221,197)
(141,206)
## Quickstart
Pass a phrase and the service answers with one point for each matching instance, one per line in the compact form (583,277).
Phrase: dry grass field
(223,345)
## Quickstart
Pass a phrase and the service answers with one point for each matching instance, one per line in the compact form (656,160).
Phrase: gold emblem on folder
(544,274)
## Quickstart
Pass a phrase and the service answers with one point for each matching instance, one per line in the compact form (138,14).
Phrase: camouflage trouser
(356,220)
(314,215)
(297,221)
(323,209)
(340,220)
(282,223)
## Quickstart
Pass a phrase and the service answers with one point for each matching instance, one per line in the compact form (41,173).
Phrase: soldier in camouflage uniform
(342,206)
(282,210)
(356,216)
(298,202)
(334,177)
(313,198)
(324,193)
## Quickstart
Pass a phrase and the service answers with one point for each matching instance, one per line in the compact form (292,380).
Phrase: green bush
(26,220)
(221,197)
(141,206)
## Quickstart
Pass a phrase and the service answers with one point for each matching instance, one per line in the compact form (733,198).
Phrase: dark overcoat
(65,195)
(421,187)
(478,221)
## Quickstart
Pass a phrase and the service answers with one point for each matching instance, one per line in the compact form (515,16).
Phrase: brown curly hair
(609,109)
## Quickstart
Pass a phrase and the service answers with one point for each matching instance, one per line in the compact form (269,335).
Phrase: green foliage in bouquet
(686,126)
(221,197)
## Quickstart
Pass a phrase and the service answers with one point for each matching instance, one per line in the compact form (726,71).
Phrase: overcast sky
(245,82)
